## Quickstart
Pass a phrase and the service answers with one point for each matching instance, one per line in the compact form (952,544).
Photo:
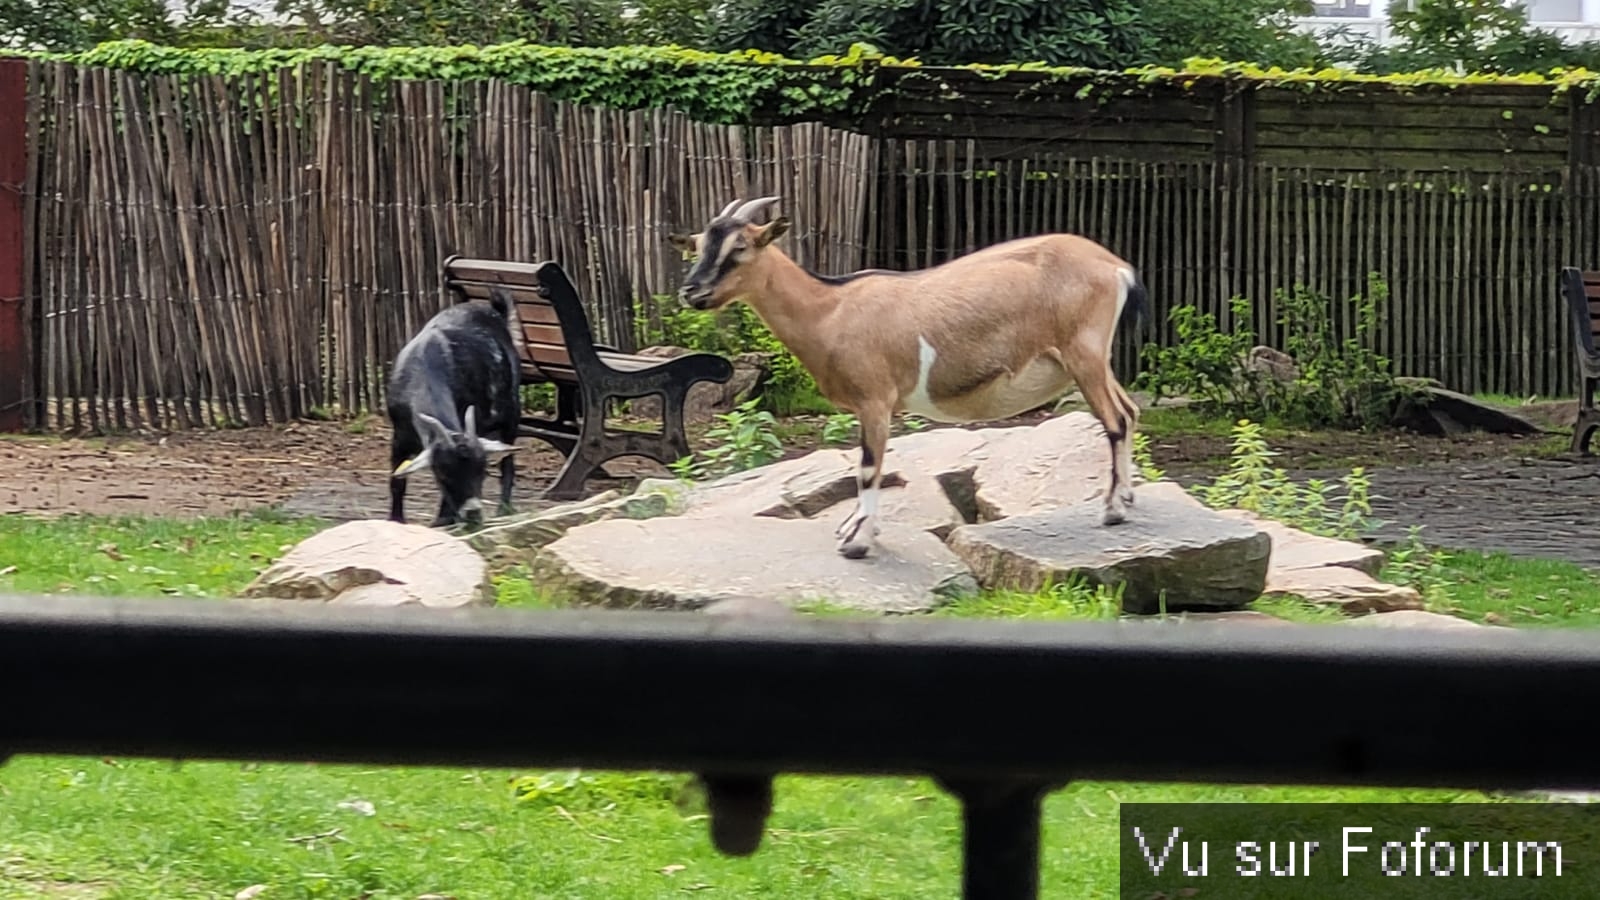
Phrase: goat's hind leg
(858,533)
(1118,415)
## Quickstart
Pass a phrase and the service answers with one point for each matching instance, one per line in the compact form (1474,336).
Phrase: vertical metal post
(14,347)
(1000,837)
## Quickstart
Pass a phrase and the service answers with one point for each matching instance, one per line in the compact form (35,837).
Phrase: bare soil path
(1479,492)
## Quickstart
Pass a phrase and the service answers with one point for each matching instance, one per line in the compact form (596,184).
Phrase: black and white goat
(984,336)
(462,362)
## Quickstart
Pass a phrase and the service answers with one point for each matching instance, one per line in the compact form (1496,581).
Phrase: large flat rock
(687,562)
(509,539)
(1026,469)
(1296,549)
(1195,558)
(375,562)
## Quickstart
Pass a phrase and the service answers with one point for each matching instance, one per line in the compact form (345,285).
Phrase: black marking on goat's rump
(1137,305)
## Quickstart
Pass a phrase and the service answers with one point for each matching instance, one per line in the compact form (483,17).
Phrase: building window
(1346,9)
(1555,10)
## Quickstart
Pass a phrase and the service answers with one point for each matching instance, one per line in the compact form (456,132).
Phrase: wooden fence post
(14,349)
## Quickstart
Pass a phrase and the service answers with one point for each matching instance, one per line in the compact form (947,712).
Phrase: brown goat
(984,336)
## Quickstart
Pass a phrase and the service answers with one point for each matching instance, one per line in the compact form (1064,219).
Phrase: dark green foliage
(1258,31)
(736,329)
(1104,34)
(1340,383)
(1475,35)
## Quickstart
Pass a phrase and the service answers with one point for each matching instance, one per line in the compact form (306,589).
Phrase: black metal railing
(1000,712)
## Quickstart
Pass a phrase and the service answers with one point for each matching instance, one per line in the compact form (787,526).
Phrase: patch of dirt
(1202,453)
(305,468)
(1542,499)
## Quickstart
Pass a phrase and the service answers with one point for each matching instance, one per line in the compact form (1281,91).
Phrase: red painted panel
(13,172)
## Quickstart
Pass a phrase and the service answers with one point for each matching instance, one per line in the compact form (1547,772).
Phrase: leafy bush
(1252,483)
(745,439)
(840,428)
(1339,384)
(730,331)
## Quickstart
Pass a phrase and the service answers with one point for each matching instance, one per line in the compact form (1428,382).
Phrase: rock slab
(687,562)
(1168,548)
(374,562)
(511,537)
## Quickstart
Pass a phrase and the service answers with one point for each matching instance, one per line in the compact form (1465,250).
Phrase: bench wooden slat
(547,356)
(525,297)
(535,333)
(498,271)
(544,321)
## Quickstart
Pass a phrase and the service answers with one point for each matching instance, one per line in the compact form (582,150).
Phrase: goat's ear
(686,243)
(490,445)
(431,430)
(415,464)
(772,231)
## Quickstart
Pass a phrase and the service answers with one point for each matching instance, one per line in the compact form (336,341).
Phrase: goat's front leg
(858,533)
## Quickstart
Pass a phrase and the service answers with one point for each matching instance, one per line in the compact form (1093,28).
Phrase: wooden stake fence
(249,250)
(252,250)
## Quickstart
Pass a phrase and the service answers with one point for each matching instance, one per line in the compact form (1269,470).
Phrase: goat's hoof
(1114,516)
(855,549)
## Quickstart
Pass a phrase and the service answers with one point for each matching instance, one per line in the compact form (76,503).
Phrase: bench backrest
(1582,290)
(550,327)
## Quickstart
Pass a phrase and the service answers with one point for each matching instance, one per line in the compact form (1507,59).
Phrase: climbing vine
(749,85)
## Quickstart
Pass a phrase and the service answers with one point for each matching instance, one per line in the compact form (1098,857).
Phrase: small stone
(534,530)
(1168,548)
(1413,618)
(1295,549)
(1350,589)
(373,562)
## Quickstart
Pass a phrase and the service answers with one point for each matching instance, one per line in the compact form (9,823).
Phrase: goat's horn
(729,208)
(748,210)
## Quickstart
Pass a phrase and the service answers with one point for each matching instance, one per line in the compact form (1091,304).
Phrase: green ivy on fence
(737,87)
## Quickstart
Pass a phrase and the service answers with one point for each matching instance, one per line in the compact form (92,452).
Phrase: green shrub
(1340,383)
(729,331)
(746,438)
(1252,483)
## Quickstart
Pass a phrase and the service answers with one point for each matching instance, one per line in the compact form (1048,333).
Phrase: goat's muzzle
(695,297)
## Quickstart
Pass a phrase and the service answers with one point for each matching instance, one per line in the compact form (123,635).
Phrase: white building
(1575,20)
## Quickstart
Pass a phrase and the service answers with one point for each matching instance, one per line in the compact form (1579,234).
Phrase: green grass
(137,555)
(1499,589)
(79,827)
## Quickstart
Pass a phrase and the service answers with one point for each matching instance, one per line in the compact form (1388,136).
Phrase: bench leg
(674,438)
(587,451)
(1588,419)
(1583,431)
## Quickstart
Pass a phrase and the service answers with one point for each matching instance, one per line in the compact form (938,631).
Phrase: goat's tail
(1136,303)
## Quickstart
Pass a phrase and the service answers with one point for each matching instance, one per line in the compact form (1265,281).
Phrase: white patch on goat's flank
(918,402)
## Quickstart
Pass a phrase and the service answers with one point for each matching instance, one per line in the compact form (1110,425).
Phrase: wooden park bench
(557,346)
(1582,290)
